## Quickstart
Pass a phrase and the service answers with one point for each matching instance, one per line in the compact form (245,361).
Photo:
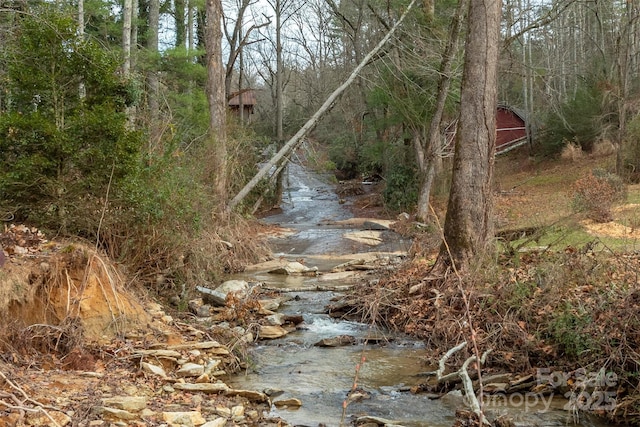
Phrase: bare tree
(238,39)
(428,152)
(153,82)
(215,95)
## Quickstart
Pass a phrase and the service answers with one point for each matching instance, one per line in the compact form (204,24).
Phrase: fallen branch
(297,139)
(317,288)
(463,374)
(20,404)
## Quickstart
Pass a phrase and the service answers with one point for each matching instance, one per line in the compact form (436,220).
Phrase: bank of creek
(320,233)
(78,348)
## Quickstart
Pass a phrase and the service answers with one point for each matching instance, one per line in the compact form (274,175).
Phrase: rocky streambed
(263,349)
(336,372)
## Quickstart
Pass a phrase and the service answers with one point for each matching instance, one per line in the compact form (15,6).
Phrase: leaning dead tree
(298,138)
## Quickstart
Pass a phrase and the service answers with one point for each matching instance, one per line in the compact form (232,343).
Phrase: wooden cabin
(511,131)
(245,98)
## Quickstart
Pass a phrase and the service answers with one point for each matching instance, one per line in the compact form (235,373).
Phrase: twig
(463,374)
(478,409)
(106,202)
(41,407)
(441,364)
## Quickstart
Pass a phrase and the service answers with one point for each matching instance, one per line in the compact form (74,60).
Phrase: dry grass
(570,309)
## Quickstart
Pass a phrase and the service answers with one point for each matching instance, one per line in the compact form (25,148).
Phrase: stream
(321,377)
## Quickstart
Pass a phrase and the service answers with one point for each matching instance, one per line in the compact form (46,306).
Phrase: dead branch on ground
(463,374)
(20,404)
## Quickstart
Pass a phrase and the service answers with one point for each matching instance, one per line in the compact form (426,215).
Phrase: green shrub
(401,191)
(568,329)
(60,152)
(578,121)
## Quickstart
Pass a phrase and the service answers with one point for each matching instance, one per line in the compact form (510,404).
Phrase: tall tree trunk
(241,82)
(431,149)
(181,34)
(201,24)
(82,90)
(279,71)
(127,14)
(135,12)
(215,95)
(126,37)
(152,74)
(468,225)
(623,63)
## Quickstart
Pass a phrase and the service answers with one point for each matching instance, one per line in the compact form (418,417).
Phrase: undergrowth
(567,309)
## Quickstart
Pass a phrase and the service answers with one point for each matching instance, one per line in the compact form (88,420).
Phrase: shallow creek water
(321,377)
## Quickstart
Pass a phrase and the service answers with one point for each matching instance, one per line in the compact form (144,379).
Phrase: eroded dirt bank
(77,348)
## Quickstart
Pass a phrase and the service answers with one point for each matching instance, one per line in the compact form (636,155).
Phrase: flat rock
(126,403)
(376,420)
(190,370)
(114,413)
(202,387)
(218,422)
(240,286)
(212,296)
(295,268)
(203,345)
(190,418)
(270,332)
(369,237)
(154,369)
(277,319)
(337,276)
(158,353)
(339,341)
(269,304)
(252,395)
(289,403)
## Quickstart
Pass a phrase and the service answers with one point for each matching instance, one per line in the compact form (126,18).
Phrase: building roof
(248,98)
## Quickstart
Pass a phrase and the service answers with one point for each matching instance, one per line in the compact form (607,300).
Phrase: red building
(245,98)
(511,130)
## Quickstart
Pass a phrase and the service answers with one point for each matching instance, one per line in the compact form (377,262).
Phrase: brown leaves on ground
(567,309)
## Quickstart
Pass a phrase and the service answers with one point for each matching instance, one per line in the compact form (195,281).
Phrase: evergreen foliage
(59,150)
(578,120)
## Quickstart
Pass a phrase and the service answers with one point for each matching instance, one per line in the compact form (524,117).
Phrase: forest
(140,126)
(125,106)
